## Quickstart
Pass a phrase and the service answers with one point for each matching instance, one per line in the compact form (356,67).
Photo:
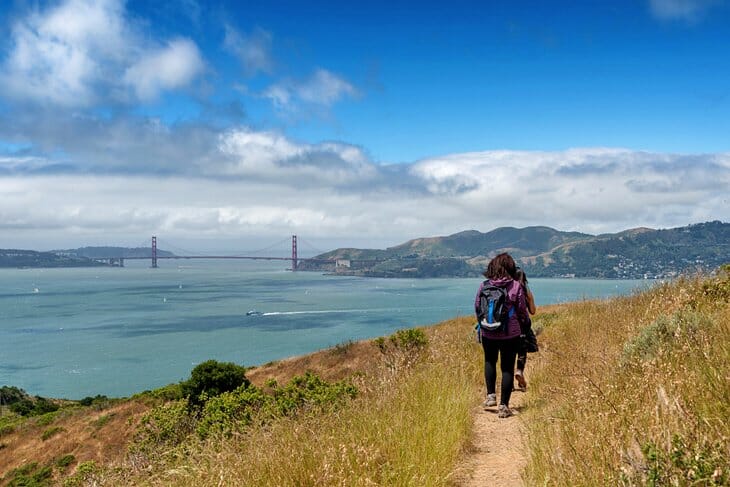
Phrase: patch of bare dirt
(496,456)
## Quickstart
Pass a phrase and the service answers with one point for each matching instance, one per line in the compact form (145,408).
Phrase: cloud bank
(196,181)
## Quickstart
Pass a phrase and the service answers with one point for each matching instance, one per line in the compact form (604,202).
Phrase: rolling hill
(544,252)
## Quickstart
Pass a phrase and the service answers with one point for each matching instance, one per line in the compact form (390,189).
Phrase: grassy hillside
(627,391)
(635,391)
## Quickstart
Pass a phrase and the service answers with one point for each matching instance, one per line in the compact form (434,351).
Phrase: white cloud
(265,185)
(254,50)
(169,67)
(57,55)
(81,52)
(323,89)
(688,10)
(270,155)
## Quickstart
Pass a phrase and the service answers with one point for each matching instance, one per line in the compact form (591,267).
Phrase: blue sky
(226,124)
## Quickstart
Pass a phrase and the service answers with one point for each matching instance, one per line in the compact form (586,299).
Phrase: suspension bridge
(295,260)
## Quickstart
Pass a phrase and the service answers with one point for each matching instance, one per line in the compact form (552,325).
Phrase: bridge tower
(294,252)
(154,252)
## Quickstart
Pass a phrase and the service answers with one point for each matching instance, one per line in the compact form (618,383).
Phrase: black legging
(507,350)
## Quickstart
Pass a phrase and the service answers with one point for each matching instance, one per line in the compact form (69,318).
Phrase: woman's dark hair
(500,267)
(520,275)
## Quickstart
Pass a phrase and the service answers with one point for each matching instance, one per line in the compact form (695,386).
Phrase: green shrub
(170,392)
(409,339)
(97,400)
(8,423)
(227,411)
(85,474)
(212,378)
(65,461)
(380,343)
(10,395)
(30,475)
(168,424)
(50,432)
(222,413)
(650,339)
(46,419)
(33,406)
(310,389)
(24,407)
(682,465)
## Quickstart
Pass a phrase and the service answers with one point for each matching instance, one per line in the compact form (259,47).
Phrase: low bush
(212,378)
(238,408)
(65,461)
(98,400)
(661,333)
(166,425)
(33,406)
(409,339)
(46,419)
(30,475)
(86,473)
(682,463)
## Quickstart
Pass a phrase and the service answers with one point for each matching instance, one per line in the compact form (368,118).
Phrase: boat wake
(362,310)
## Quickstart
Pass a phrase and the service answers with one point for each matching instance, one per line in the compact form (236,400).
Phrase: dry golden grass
(635,391)
(407,427)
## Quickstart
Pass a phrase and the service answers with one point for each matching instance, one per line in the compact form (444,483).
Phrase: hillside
(31,258)
(653,387)
(81,257)
(640,253)
(544,252)
(107,252)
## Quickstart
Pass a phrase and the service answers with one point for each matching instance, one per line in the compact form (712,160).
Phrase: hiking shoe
(491,400)
(521,380)
(504,411)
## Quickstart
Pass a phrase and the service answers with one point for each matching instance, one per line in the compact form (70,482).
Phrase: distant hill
(31,258)
(107,252)
(545,252)
(82,257)
(638,253)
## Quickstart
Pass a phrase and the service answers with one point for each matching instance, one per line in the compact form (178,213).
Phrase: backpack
(493,312)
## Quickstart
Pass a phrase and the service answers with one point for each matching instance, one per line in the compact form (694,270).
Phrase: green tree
(212,378)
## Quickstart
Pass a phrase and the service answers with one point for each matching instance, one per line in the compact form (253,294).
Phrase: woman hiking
(507,298)
(522,352)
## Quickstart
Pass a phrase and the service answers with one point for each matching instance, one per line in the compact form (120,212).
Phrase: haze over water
(118,331)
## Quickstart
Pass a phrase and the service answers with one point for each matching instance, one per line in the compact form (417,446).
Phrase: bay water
(71,333)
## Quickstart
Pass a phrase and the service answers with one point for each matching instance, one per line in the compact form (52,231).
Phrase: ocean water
(117,331)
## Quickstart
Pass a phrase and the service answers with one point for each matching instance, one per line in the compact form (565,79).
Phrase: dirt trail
(496,457)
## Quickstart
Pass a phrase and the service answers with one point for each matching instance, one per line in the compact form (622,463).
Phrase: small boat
(253,312)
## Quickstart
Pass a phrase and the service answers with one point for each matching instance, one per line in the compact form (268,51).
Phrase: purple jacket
(516,299)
